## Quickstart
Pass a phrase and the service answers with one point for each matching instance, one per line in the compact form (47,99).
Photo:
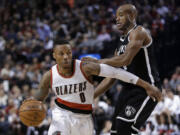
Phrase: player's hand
(28,99)
(116,53)
(89,59)
(154,93)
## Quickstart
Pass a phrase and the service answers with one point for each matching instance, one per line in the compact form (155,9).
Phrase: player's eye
(61,53)
(68,53)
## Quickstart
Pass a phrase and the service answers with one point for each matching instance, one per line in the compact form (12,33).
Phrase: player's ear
(54,56)
(130,17)
(133,17)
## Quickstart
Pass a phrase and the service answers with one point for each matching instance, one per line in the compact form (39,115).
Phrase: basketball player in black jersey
(135,55)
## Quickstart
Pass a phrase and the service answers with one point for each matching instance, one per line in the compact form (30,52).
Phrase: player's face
(63,55)
(122,21)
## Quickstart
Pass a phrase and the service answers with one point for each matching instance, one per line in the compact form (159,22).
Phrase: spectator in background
(3,97)
(172,103)
(175,79)
(165,84)
(2,43)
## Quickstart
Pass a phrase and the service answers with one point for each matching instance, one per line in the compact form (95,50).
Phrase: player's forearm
(44,85)
(109,72)
(39,95)
(103,86)
(117,61)
(142,84)
(118,73)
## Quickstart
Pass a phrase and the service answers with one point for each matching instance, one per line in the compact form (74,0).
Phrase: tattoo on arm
(91,68)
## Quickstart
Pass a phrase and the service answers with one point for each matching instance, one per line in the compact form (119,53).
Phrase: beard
(126,25)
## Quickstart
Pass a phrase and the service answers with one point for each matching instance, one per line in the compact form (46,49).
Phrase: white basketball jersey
(75,89)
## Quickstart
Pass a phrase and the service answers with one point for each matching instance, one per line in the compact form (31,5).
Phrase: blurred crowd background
(27,30)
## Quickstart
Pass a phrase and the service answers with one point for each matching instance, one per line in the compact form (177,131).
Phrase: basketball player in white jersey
(71,81)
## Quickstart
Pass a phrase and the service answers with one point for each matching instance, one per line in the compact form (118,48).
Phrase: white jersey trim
(148,44)
(124,119)
(137,130)
(148,66)
(113,131)
(142,106)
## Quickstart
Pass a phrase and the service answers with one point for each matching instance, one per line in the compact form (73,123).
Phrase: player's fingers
(159,96)
(154,99)
(28,99)
(115,53)
(84,59)
(87,59)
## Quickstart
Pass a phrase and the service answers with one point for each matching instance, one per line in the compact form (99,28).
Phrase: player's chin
(119,27)
(66,65)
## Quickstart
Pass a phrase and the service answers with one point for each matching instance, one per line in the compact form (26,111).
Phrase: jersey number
(82,97)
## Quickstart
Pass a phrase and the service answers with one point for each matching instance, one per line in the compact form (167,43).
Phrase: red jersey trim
(87,107)
(74,66)
(85,74)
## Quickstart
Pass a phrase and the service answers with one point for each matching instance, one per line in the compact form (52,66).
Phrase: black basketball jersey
(143,64)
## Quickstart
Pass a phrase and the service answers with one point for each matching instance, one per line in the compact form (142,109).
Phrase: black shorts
(133,108)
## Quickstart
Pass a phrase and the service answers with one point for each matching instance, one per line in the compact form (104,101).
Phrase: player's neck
(65,71)
(129,28)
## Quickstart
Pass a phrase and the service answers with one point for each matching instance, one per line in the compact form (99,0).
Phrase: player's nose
(117,19)
(65,56)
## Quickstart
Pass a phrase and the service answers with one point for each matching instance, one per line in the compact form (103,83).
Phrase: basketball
(32,112)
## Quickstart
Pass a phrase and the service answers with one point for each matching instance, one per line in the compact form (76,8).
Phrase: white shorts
(65,122)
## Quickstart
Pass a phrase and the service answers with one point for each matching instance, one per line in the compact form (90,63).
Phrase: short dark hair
(60,42)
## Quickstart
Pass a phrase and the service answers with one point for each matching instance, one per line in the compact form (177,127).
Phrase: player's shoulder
(139,32)
(47,74)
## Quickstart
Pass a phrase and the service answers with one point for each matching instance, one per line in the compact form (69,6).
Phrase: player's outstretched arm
(91,68)
(137,39)
(44,85)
